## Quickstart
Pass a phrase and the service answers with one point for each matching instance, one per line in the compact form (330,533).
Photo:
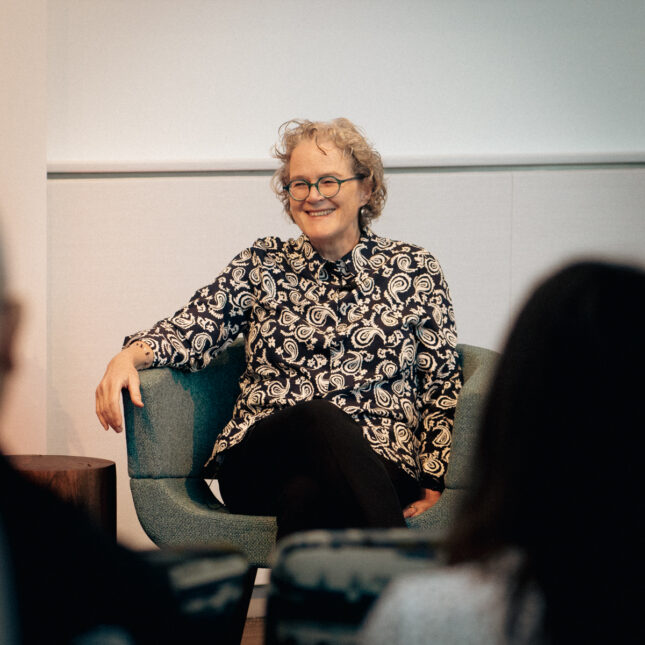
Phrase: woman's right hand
(122,373)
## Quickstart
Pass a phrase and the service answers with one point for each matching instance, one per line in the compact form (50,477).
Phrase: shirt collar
(305,257)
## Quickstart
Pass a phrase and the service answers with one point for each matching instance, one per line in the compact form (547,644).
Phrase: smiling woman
(346,405)
(330,222)
(342,134)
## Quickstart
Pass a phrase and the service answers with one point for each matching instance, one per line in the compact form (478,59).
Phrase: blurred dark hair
(558,470)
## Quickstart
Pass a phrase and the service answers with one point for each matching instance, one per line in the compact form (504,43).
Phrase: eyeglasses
(328,186)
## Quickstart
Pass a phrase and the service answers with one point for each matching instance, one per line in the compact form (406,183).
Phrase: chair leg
(245,601)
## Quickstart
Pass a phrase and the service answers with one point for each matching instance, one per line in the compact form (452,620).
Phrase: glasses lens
(328,186)
(298,189)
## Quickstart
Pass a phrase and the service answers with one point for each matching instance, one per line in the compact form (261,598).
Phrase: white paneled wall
(572,213)
(124,252)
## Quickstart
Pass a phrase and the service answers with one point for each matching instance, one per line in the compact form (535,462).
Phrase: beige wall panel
(563,215)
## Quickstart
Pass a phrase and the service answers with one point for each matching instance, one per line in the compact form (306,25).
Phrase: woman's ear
(366,191)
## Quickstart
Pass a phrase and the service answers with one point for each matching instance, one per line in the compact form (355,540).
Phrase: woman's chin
(318,228)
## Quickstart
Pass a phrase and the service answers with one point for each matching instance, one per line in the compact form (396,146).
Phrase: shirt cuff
(129,340)
(433,483)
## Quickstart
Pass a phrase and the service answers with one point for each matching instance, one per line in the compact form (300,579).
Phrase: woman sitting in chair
(548,546)
(346,406)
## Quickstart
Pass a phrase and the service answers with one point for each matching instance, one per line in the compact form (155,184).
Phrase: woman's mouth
(321,213)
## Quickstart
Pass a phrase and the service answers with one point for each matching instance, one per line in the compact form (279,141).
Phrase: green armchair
(170,439)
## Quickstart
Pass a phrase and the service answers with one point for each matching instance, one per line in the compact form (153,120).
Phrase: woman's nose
(314,195)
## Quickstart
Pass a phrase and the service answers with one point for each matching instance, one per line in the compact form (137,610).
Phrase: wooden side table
(87,482)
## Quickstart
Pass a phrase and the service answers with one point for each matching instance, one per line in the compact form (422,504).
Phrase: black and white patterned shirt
(373,332)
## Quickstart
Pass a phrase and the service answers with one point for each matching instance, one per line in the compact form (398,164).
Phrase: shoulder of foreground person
(463,605)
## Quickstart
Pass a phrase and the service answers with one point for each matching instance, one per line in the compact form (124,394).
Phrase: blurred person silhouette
(62,575)
(547,546)
(63,580)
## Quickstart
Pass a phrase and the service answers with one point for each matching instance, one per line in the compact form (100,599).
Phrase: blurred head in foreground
(9,312)
(558,469)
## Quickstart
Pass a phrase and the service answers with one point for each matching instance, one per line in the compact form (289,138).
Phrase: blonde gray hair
(351,141)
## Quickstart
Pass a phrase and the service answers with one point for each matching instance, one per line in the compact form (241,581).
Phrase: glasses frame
(310,185)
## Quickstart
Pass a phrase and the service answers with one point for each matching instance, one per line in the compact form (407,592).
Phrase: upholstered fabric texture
(170,439)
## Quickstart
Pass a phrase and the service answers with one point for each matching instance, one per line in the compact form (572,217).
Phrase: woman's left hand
(430,498)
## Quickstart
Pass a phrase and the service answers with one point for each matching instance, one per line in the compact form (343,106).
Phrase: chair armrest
(478,367)
(210,587)
(174,433)
(323,583)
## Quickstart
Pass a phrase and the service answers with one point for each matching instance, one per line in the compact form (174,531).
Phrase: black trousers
(311,467)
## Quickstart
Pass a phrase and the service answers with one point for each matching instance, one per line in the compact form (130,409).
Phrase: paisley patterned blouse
(373,332)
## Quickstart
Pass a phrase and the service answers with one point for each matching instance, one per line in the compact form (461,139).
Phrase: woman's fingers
(429,499)
(108,409)
(408,512)
(99,414)
(121,373)
(134,387)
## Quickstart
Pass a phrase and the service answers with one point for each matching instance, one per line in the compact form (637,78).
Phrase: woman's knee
(321,418)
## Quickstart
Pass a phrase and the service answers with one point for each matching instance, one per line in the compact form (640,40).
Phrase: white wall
(147,81)
(23,215)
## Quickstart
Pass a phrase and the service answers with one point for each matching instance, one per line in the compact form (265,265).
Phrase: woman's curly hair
(350,140)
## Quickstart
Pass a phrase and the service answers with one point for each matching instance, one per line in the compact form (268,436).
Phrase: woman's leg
(311,467)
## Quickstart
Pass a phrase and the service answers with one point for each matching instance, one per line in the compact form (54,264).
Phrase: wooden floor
(253,632)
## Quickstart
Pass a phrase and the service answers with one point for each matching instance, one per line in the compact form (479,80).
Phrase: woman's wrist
(141,353)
